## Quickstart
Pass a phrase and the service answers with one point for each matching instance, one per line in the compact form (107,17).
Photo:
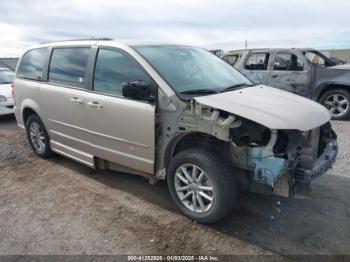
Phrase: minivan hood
(271,107)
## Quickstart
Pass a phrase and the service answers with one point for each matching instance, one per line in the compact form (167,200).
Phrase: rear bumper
(18,117)
(324,161)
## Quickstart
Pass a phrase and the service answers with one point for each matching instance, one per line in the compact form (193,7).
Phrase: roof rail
(81,39)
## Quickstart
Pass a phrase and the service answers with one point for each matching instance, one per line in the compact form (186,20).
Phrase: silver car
(6,99)
(176,113)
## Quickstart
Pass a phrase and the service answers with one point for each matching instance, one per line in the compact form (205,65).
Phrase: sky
(218,24)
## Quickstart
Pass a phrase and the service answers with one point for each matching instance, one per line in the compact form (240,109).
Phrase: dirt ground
(57,206)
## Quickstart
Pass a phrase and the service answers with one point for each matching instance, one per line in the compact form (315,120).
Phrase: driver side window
(113,68)
(315,58)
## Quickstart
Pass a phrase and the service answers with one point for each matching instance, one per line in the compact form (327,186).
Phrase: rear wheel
(38,137)
(201,185)
(337,101)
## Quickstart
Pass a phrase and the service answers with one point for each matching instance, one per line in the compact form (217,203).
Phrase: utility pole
(246,44)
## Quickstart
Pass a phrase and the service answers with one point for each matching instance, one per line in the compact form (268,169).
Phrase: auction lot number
(173,258)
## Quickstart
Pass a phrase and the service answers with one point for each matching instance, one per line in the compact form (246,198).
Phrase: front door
(290,73)
(121,130)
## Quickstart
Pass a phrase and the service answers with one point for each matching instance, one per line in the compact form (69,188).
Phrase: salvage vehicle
(6,99)
(305,72)
(170,112)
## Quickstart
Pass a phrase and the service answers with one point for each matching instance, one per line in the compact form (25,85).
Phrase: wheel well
(333,86)
(26,113)
(197,140)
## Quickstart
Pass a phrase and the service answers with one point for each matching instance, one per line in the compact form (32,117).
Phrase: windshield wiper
(198,91)
(235,87)
(2,83)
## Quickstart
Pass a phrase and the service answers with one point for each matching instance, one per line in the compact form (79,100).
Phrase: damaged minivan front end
(283,159)
(217,132)
(270,155)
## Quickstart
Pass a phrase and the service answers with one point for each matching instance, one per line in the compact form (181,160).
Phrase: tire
(337,101)
(216,175)
(35,128)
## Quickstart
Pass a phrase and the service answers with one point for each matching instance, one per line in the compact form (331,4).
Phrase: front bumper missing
(324,162)
(311,158)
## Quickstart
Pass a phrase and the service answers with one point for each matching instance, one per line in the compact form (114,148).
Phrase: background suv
(305,72)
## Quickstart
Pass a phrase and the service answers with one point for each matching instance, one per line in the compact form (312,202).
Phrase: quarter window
(113,68)
(257,61)
(68,66)
(32,64)
(288,62)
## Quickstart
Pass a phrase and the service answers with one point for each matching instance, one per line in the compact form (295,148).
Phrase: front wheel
(201,185)
(337,101)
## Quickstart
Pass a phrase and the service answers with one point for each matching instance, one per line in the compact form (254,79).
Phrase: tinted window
(32,64)
(288,62)
(113,68)
(257,61)
(68,66)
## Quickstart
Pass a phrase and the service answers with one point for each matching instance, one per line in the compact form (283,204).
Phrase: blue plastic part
(267,169)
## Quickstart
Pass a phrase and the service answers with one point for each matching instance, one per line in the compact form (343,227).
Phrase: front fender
(324,86)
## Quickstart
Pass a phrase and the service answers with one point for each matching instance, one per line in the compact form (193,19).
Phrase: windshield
(318,59)
(6,76)
(187,69)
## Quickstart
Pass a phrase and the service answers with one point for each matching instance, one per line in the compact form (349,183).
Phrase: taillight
(13,89)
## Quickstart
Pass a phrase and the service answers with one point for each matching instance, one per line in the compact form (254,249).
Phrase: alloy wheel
(337,104)
(37,137)
(194,188)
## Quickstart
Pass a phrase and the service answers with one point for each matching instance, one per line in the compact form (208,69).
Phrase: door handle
(95,104)
(76,100)
(274,76)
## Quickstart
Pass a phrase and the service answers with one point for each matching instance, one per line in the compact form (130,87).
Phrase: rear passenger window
(32,64)
(113,68)
(68,66)
(257,61)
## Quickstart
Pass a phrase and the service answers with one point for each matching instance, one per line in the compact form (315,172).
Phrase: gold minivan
(171,112)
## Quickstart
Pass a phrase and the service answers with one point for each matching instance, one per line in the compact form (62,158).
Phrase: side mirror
(138,90)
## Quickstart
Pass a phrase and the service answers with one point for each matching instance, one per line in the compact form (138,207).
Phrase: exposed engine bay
(272,161)
(285,156)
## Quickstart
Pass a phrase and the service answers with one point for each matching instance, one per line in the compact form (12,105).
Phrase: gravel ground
(57,206)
